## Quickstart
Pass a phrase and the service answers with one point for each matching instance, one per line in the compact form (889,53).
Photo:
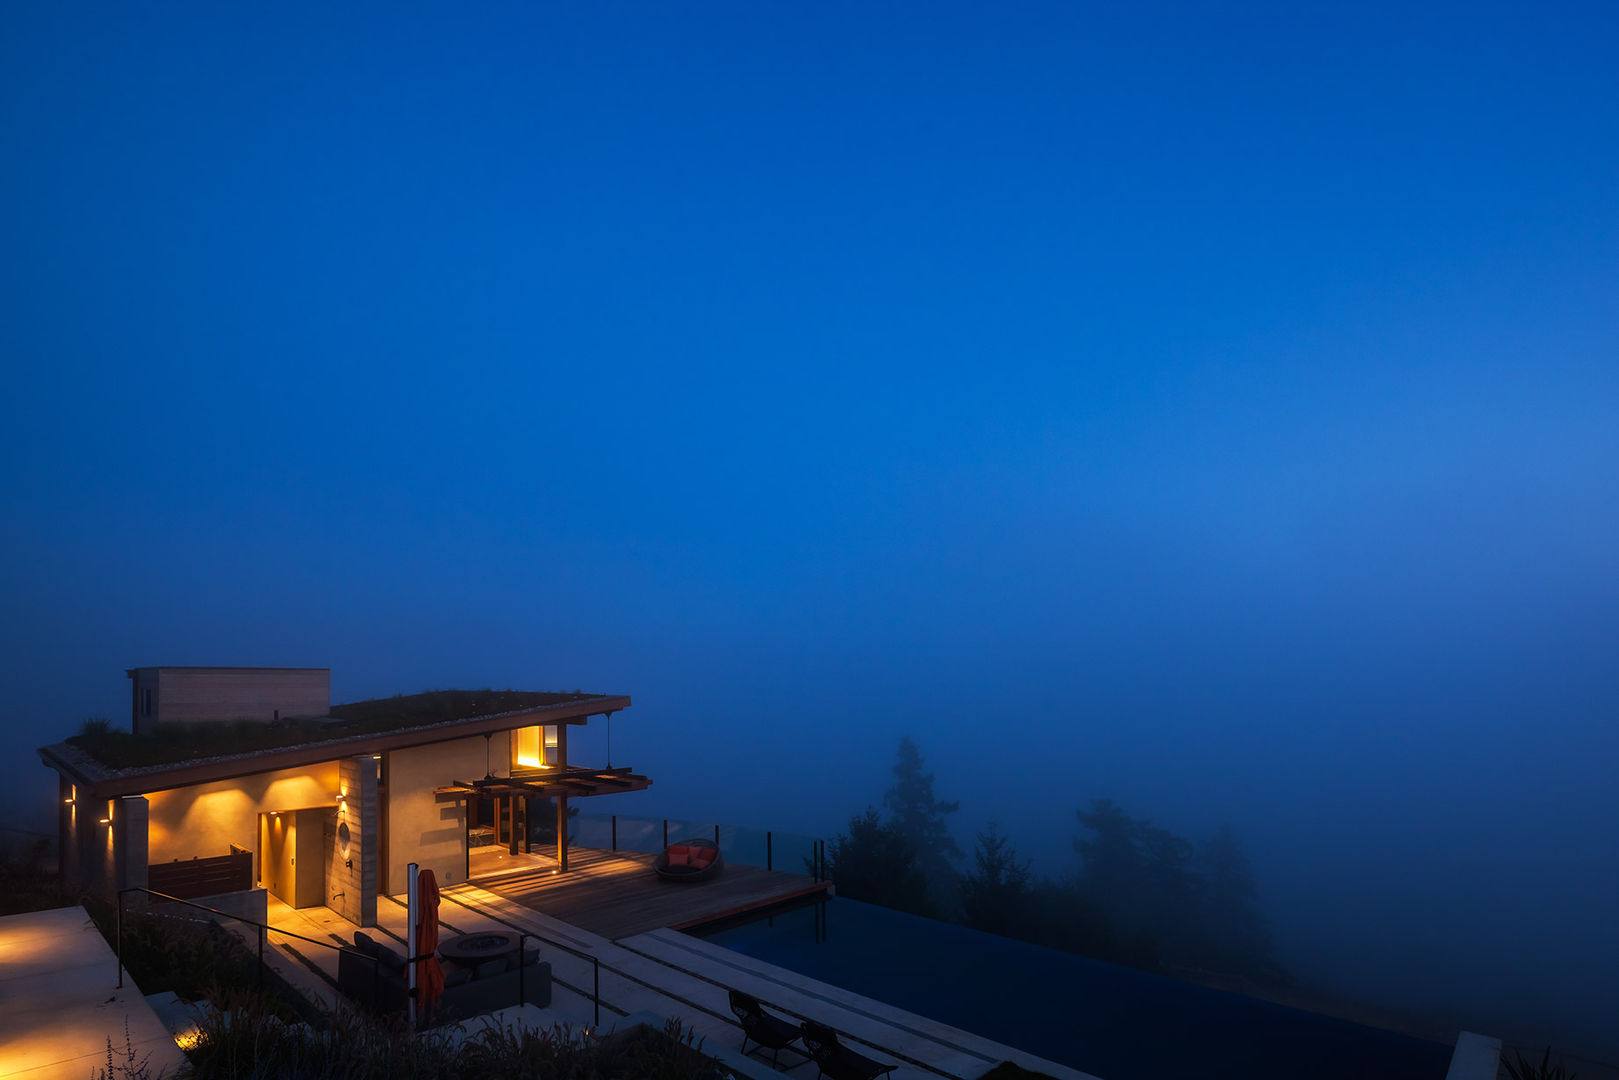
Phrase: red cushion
(679,849)
(703,856)
(678,860)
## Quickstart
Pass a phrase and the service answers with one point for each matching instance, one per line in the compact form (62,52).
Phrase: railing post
(119,924)
(767,851)
(615,832)
(716,836)
(522,965)
(596,988)
(665,832)
(264,931)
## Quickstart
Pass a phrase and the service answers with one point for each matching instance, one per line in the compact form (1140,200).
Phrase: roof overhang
(97,780)
(570,783)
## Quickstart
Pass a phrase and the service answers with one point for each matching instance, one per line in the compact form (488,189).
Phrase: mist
(1218,417)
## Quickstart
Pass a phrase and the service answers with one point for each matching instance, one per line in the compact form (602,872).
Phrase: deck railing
(263,930)
(741,844)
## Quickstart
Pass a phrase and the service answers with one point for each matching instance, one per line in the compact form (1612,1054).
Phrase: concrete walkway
(60,1002)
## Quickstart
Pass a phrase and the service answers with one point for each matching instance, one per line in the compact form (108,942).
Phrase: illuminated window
(534,747)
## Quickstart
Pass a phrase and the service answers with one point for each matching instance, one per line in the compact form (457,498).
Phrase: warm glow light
(187,1040)
(106,821)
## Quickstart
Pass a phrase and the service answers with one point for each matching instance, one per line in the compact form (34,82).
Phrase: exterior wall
(89,846)
(206,819)
(195,695)
(429,831)
(351,876)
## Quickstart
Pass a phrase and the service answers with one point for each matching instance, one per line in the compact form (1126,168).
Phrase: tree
(874,862)
(995,895)
(919,816)
(1237,935)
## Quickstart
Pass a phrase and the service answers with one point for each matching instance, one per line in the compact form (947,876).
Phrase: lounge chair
(834,1059)
(689,860)
(761,1027)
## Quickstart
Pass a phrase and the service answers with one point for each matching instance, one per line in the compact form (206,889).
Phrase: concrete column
(129,844)
(352,873)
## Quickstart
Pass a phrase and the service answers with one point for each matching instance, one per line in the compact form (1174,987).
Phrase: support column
(562,801)
(129,845)
(562,833)
(352,871)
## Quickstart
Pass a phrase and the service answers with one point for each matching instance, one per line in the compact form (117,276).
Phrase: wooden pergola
(514,797)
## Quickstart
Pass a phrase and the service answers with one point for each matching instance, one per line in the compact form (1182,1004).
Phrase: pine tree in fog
(995,894)
(919,817)
(875,863)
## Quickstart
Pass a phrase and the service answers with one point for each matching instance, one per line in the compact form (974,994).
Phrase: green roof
(173,744)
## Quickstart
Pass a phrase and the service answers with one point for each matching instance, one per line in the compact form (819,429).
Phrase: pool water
(1113,1022)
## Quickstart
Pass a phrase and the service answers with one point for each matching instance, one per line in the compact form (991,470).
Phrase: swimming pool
(1113,1022)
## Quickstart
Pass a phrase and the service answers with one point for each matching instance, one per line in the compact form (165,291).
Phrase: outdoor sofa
(689,860)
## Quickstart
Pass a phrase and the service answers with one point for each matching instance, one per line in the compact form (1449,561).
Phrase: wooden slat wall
(202,877)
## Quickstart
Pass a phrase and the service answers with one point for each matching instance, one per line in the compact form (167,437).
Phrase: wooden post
(562,833)
(511,824)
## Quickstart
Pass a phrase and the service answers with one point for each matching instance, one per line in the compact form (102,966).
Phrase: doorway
(292,865)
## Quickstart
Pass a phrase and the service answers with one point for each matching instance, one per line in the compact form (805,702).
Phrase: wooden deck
(617,895)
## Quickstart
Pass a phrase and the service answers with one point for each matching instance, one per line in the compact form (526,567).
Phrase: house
(236,782)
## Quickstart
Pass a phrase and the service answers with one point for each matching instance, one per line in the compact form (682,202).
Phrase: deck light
(106,821)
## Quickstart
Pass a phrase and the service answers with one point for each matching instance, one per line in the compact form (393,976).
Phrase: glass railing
(741,844)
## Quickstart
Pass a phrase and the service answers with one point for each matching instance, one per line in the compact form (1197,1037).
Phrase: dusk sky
(1213,408)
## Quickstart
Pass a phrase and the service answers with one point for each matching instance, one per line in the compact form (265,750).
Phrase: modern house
(235,780)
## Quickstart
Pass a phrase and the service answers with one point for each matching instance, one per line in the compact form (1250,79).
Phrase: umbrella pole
(410,939)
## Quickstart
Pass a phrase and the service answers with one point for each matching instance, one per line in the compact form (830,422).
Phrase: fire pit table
(471,950)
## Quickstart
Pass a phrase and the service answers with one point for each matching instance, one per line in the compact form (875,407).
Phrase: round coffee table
(473,949)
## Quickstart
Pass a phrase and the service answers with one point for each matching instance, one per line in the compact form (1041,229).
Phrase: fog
(1220,418)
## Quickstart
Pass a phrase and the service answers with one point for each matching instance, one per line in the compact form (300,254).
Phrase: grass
(172,744)
(239,1041)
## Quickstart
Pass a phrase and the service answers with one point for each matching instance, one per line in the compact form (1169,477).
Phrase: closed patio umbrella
(429,972)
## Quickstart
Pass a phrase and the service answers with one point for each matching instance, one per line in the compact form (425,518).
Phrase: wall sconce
(105,821)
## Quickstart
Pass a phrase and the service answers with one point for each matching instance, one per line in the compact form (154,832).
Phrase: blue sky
(1215,409)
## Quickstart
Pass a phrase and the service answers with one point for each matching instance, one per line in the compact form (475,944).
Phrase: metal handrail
(376,979)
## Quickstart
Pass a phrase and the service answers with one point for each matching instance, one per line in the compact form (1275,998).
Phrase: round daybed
(689,860)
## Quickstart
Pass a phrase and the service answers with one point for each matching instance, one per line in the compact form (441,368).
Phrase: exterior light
(106,821)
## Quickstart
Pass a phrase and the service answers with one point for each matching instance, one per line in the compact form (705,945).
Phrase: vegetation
(243,1042)
(919,818)
(1142,895)
(996,896)
(874,862)
(1518,1067)
(174,743)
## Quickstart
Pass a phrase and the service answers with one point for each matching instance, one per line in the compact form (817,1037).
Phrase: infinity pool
(1113,1022)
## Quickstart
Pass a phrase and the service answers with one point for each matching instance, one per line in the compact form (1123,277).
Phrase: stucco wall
(205,819)
(429,831)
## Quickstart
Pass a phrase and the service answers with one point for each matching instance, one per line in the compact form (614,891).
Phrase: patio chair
(766,1030)
(689,861)
(834,1059)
